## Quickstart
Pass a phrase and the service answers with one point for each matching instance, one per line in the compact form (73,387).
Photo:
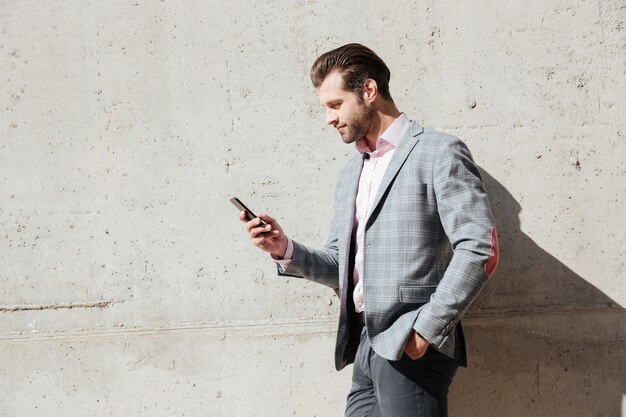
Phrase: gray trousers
(383,388)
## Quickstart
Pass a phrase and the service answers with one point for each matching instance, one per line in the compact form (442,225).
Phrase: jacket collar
(406,145)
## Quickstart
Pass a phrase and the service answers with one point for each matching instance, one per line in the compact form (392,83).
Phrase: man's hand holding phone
(264,231)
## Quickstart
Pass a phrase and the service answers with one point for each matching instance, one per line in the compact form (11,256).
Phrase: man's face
(345,111)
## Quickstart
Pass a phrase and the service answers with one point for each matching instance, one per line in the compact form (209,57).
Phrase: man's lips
(341,128)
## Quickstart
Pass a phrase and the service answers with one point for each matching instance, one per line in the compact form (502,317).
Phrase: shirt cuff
(286,259)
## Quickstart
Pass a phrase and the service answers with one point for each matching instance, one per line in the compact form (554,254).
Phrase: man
(411,244)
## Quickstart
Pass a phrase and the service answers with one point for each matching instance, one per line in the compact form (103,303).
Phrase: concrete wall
(127,285)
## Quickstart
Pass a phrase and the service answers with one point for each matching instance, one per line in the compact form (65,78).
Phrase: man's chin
(347,138)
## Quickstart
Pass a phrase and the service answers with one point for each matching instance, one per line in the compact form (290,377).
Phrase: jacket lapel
(349,190)
(353,172)
(406,145)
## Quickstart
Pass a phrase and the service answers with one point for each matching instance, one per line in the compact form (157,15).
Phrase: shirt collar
(390,139)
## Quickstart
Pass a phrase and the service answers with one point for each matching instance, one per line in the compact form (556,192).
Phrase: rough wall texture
(127,285)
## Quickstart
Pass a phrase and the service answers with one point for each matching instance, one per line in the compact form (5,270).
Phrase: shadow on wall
(541,340)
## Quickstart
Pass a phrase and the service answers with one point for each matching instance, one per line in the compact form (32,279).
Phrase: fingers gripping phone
(242,207)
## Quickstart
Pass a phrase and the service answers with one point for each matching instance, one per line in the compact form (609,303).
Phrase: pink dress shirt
(374,167)
(372,173)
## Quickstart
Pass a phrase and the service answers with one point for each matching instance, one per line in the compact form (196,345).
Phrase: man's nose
(331,117)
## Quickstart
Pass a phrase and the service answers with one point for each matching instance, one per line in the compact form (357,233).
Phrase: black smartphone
(242,207)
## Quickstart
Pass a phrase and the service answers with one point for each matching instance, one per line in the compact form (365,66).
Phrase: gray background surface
(127,284)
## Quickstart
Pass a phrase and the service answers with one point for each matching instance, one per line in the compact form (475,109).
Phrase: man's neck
(385,115)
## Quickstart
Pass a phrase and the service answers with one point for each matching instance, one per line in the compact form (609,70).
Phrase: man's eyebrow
(333,102)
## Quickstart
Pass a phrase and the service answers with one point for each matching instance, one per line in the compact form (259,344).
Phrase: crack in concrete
(55,306)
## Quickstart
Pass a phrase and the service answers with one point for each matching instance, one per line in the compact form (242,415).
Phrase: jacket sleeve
(317,265)
(466,219)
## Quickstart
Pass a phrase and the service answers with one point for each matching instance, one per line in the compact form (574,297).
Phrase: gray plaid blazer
(430,245)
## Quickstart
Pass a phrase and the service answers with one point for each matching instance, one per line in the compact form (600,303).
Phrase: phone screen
(242,207)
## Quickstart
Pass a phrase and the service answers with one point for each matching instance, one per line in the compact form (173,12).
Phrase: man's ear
(370,90)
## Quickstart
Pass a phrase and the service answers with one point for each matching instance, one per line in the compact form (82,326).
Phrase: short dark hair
(356,63)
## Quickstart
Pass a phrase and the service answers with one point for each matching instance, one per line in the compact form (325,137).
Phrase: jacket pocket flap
(416,293)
